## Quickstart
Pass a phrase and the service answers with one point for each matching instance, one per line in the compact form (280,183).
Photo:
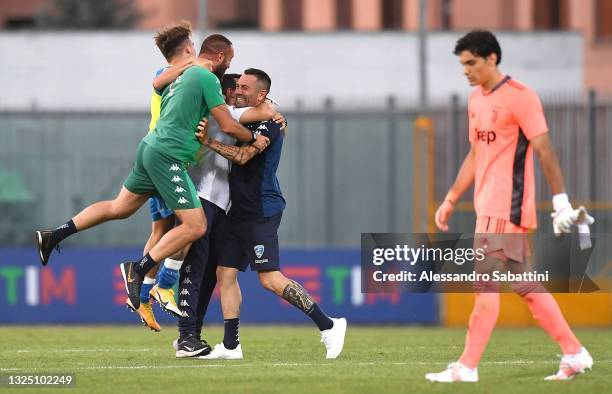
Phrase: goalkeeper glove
(563,215)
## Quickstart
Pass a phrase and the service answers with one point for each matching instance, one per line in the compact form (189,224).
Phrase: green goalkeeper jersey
(184,103)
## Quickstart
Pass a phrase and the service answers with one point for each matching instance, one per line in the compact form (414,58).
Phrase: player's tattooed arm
(297,296)
(237,154)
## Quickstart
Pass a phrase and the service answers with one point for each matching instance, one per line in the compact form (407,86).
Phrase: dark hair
(262,77)
(215,43)
(228,81)
(480,43)
(171,39)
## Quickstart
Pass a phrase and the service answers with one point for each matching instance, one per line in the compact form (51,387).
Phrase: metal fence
(335,173)
(342,172)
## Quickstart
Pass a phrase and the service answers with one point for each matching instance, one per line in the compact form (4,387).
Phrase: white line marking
(76,351)
(204,364)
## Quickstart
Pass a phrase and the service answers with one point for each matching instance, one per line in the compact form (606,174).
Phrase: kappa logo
(185,292)
(262,127)
(175,167)
(182,200)
(176,178)
(184,303)
(259,250)
(186,281)
(179,189)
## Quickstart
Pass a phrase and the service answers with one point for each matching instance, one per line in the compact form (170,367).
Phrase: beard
(220,70)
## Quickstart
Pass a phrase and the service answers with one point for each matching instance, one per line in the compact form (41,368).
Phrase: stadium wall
(85,286)
(113,70)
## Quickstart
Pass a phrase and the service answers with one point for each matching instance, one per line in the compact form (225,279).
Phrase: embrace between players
(182,167)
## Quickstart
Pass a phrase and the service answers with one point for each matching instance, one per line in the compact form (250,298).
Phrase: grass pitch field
(284,359)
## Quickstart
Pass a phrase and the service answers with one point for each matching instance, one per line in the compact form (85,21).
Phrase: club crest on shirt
(494,114)
(259,250)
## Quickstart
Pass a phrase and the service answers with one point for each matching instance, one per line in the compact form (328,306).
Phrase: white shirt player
(211,173)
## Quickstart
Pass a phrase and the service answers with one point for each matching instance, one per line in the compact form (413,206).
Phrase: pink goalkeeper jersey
(501,124)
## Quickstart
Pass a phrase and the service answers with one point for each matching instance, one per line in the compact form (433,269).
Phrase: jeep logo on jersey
(259,250)
(179,189)
(175,167)
(487,136)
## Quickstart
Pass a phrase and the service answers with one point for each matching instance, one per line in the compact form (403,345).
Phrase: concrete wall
(105,70)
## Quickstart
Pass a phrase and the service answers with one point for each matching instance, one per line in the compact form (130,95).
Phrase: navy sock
(320,318)
(206,291)
(231,338)
(63,232)
(144,265)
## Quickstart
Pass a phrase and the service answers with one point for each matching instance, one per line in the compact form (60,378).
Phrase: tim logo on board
(31,285)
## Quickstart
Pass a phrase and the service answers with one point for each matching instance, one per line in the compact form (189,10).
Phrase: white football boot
(456,372)
(572,365)
(334,338)
(221,353)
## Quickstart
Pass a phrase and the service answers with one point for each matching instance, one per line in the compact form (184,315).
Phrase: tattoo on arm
(297,296)
(237,154)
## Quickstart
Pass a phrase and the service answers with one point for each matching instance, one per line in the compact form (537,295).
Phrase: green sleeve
(211,89)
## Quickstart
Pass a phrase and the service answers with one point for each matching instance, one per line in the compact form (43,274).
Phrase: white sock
(148,281)
(173,264)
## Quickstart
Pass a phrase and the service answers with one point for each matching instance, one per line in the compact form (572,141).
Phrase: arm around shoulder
(228,125)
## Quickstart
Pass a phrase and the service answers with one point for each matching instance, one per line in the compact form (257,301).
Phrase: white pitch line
(204,364)
(76,350)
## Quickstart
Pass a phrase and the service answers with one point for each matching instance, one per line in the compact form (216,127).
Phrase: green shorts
(158,174)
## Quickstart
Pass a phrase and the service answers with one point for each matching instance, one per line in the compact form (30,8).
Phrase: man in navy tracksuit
(251,227)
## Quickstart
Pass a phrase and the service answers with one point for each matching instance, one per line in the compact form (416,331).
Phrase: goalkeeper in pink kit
(506,125)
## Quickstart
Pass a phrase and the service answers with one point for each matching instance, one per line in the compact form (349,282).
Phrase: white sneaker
(334,338)
(221,353)
(175,344)
(572,365)
(456,372)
